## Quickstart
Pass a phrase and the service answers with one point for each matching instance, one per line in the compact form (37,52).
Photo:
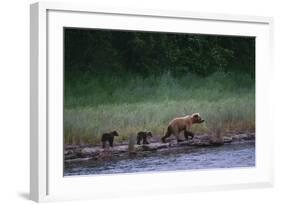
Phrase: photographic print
(137,101)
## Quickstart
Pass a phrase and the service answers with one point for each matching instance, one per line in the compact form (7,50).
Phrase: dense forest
(147,53)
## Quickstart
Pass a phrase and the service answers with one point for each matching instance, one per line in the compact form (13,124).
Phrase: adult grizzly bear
(179,124)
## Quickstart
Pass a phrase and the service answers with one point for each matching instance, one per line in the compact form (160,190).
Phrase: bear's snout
(198,120)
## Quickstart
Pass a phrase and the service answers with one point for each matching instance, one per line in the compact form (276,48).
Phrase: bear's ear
(195,115)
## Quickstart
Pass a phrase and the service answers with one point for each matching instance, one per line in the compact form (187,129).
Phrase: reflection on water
(230,155)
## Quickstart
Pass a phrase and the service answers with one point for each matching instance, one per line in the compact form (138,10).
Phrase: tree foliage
(153,53)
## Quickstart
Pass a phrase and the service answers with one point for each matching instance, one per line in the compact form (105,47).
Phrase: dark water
(227,156)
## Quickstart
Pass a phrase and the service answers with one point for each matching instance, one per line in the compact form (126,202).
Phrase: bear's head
(149,134)
(196,118)
(115,133)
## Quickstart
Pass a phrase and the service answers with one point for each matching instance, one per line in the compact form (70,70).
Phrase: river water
(227,156)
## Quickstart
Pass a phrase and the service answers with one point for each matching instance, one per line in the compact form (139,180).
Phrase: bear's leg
(168,134)
(145,140)
(138,139)
(176,133)
(178,139)
(192,135)
(187,134)
(111,141)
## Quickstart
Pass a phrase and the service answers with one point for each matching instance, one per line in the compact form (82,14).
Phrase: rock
(68,152)
(121,149)
(208,140)
(173,143)
(70,156)
(243,136)
(203,137)
(149,148)
(227,139)
(78,160)
(196,141)
(90,150)
(202,140)
(156,145)
(66,147)
(249,136)
(152,146)
(236,138)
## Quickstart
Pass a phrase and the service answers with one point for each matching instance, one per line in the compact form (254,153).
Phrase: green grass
(128,104)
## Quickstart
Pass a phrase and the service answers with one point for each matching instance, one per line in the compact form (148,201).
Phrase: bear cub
(108,137)
(142,136)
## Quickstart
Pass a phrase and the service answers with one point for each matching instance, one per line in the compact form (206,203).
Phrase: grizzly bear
(142,136)
(179,124)
(108,137)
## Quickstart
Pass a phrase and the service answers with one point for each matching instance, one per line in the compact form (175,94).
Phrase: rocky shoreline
(78,153)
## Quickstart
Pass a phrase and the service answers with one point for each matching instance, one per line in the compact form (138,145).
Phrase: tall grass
(128,104)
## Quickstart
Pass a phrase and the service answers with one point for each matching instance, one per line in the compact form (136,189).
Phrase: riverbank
(79,153)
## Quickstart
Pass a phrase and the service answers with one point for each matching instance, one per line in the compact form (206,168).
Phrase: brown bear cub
(108,137)
(142,136)
(179,124)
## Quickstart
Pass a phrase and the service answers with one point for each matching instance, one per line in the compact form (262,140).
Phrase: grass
(95,104)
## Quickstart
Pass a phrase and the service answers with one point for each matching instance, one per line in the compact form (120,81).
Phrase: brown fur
(179,124)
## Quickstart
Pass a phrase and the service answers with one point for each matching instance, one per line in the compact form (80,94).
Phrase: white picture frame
(46,178)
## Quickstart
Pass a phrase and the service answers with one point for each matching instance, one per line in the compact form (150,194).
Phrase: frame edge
(34,154)
(38,103)
(96,8)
